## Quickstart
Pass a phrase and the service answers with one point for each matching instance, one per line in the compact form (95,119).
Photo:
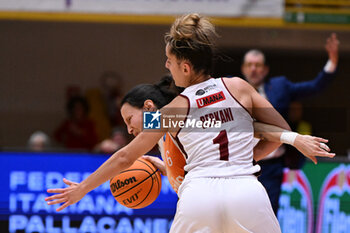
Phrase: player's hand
(312,146)
(67,196)
(158,163)
(332,47)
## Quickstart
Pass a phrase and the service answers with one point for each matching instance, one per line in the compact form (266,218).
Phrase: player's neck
(198,79)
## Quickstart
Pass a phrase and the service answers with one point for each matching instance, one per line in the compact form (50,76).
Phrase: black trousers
(271,178)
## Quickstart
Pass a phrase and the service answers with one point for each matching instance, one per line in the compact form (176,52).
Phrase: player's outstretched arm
(119,161)
(309,146)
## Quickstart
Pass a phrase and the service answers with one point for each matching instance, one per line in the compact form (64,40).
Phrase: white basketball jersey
(217,152)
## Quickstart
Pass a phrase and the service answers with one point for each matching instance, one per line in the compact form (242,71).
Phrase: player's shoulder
(179,101)
(179,105)
(235,84)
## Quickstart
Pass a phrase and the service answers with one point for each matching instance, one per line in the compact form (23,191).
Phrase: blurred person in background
(77,131)
(104,104)
(117,140)
(112,86)
(296,121)
(293,159)
(280,92)
(98,113)
(38,141)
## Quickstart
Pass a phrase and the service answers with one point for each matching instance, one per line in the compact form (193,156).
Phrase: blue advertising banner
(314,199)
(25,177)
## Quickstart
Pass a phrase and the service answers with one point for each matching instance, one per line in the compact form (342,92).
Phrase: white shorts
(224,205)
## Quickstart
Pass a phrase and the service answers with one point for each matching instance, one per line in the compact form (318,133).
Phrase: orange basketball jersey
(174,161)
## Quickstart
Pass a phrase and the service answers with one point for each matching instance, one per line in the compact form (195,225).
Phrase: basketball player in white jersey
(155,96)
(220,192)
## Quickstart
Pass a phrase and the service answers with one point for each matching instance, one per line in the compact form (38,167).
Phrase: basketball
(138,186)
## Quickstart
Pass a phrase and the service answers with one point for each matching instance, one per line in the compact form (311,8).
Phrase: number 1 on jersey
(222,140)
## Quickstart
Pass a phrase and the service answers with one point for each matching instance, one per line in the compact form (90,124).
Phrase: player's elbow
(124,159)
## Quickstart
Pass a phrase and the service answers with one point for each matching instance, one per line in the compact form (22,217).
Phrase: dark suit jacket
(280,91)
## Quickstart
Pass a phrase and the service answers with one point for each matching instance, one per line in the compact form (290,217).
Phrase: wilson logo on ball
(120,184)
(137,186)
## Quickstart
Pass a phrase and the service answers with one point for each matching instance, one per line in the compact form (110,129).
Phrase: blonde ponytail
(192,28)
(192,37)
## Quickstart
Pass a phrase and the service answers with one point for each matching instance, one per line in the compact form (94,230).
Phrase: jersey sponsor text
(210,99)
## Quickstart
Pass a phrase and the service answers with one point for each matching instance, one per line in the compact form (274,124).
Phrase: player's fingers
(324,147)
(147,157)
(56,190)
(313,159)
(157,163)
(57,201)
(57,196)
(62,206)
(68,182)
(325,154)
(151,159)
(321,139)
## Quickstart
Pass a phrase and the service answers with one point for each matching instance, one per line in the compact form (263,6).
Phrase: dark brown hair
(161,93)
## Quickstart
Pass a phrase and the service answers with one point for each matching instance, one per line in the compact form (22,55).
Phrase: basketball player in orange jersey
(154,97)
(220,192)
